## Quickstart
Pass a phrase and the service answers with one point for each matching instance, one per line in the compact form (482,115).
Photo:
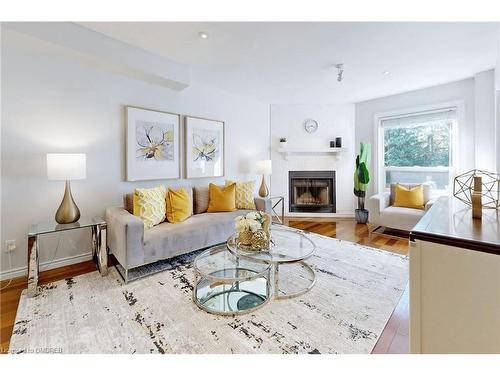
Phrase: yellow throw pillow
(244,194)
(149,205)
(179,205)
(222,200)
(410,198)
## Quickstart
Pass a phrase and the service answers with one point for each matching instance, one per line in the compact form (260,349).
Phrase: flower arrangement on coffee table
(253,230)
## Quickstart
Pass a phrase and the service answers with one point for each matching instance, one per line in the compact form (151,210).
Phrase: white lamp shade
(264,167)
(66,166)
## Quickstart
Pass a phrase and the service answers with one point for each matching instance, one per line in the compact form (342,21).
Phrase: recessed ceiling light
(386,73)
(203,35)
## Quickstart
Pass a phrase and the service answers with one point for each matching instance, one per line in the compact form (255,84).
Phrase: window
(418,147)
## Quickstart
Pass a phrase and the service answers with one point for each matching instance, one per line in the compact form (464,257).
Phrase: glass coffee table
(230,285)
(289,249)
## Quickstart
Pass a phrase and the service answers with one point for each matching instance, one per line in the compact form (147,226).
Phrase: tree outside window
(419,149)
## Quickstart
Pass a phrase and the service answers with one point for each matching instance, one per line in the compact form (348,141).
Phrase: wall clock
(310,125)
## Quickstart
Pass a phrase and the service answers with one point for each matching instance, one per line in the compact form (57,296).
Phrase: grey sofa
(134,247)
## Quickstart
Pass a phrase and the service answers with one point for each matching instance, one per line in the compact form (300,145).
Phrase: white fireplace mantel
(287,151)
(310,151)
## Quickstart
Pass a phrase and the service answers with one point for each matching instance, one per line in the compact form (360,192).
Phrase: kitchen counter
(449,222)
(455,280)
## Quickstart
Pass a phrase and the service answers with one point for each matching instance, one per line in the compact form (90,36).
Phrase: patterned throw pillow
(244,194)
(150,205)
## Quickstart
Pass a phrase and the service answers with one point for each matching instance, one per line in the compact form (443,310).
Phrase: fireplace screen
(312,191)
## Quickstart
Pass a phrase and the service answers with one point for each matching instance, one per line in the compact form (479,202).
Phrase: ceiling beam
(108,53)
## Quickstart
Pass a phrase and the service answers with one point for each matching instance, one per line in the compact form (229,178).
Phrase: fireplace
(311,191)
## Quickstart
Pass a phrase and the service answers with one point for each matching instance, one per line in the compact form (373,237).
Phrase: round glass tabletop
(287,246)
(219,264)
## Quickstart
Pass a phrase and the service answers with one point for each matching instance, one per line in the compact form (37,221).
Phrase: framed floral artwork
(204,147)
(153,144)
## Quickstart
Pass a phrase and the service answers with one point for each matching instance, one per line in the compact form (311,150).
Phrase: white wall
(1,50)
(497,67)
(497,96)
(461,91)
(51,102)
(334,121)
(485,121)
(497,113)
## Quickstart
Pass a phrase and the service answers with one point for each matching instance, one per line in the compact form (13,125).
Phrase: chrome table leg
(281,201)
(276,280)
(99,248)
(32,266)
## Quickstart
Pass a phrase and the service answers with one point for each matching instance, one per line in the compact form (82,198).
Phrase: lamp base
(68,211)
(263,190)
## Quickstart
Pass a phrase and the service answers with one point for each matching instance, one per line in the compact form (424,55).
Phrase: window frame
(379,167)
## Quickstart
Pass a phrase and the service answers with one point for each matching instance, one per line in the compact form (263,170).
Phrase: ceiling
(293,62)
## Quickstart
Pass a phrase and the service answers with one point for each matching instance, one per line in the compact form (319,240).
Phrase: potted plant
(361,180)
(282,142)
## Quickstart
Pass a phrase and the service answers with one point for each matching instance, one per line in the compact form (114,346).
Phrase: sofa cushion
(128,199)
(167,240)
(128,202)
(222,199)
(179,205)
(201,197)
(150,205)
(409,197)
(400,217)
(427,191)
(244,194)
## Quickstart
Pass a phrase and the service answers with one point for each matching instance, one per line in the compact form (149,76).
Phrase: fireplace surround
(311,191)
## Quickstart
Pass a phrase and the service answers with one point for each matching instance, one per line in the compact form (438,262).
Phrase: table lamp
(66,167)
(264,167)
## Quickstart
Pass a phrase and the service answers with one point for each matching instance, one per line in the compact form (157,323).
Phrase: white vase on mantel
(283,144)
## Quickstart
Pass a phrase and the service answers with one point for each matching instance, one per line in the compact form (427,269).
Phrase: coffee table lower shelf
(231,298)
(227,284)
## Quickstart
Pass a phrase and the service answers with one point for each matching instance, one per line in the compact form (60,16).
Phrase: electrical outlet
(10,246)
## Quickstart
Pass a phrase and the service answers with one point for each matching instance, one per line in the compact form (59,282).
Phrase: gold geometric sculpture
(463,187)
(477,198)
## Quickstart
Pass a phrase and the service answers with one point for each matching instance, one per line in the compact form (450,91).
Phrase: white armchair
(384,214)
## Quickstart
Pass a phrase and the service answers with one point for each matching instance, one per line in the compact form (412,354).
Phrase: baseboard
(320,214)
(45,266)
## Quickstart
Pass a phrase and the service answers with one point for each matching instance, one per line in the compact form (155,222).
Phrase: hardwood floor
(394,338)
(349,230)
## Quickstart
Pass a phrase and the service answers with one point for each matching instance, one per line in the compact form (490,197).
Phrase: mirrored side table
(99,248)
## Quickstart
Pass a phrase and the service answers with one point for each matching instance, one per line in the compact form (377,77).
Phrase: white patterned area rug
(357,289)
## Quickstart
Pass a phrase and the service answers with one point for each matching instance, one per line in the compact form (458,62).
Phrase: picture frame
(204,147)
(152,144)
